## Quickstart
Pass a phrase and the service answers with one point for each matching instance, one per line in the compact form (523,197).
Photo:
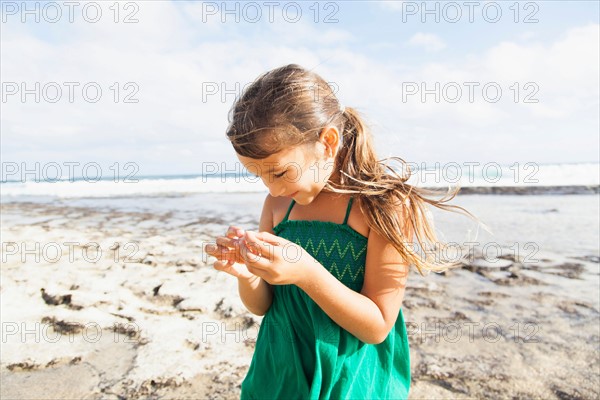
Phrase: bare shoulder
(266,217)
(274,209)
(279,207)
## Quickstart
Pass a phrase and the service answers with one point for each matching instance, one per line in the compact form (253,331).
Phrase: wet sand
(114,304)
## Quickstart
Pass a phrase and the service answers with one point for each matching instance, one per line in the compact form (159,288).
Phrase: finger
(231,246)
(257,271)
(254,257)
(250,254)
(255,243)
(226,242)
(234,232)
(270,238)
(221,265)
(227,246)
(220,252)
(212,249)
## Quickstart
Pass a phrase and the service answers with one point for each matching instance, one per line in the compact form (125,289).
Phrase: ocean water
(567,224)
(41,186)
(561,224)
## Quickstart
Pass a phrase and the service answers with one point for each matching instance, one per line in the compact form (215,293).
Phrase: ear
(330,137)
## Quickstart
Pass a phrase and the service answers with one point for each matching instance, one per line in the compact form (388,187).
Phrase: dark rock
(156,289)
(55,300)
(63,327)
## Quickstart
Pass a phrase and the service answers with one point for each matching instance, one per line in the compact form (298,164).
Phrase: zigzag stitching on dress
(347,268)
(336,244)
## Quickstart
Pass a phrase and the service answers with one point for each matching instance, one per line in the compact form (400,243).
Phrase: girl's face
(300,172)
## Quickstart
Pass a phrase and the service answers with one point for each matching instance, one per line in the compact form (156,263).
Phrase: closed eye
(280,175)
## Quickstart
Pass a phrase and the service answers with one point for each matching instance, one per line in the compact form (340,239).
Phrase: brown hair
(288,106)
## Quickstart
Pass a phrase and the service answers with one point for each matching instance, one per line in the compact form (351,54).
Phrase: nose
(275,189)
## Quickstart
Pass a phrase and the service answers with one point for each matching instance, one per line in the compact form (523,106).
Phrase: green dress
(301,353)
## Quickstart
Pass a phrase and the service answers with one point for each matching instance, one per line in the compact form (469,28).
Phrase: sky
(150,83)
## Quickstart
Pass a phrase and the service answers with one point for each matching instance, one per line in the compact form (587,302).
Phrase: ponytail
(394,209)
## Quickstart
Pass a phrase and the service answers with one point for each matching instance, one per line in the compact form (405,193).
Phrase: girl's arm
(255,292)
(370,314)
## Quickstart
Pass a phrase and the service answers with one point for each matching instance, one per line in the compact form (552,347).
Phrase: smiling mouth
(292,195)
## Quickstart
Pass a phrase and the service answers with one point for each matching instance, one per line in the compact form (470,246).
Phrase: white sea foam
(465,175)
(517,174)
(150,186)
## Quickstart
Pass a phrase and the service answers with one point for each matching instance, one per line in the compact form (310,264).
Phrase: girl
(329,265)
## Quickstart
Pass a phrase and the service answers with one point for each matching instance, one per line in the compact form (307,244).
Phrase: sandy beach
(114,299)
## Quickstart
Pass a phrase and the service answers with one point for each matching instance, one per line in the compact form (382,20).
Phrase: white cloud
(392,5)
(173,61)
(173,70)
(528,35)
(566,71)
(428,41)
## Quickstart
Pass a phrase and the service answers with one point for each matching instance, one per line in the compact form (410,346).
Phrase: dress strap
(348,210)
(289,210)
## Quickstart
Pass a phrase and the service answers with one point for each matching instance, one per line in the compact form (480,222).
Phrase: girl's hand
(277,260)
(227,252)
